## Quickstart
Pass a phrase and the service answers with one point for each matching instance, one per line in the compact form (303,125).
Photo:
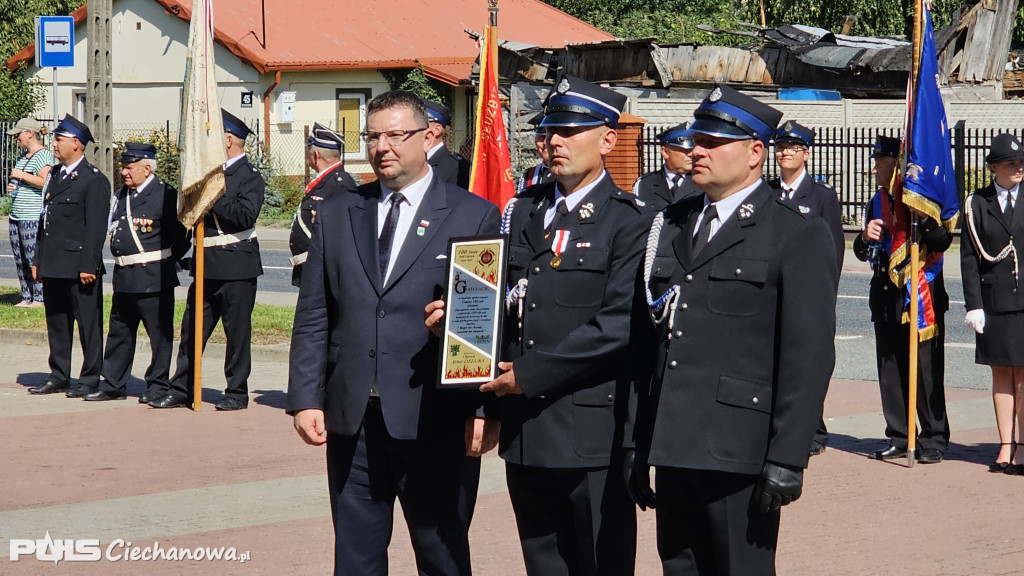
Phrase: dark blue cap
(796,133)
(1004,147)
(576,102)
(679,136)
(886,146)
(234,125)
(323,137)
(135,151)
(726,113)
(71,127)
(437,112)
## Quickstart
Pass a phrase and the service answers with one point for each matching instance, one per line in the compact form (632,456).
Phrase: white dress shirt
(414,194)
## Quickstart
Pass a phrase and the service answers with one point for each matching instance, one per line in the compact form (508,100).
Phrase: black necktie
(704,232)
(387,234)
(560,210)
(1008,208)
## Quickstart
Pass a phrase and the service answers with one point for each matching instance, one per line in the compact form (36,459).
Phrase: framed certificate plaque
(474,297)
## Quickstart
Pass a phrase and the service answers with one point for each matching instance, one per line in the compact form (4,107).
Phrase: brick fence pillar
(623,163)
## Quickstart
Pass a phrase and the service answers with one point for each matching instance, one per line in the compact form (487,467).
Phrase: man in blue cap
(146,241)
(324,151)
(69,259)
(673,182)
(796,185)
(448,165)
(576,242)
(741,289)
(232,264)
(887,301)
(539,172)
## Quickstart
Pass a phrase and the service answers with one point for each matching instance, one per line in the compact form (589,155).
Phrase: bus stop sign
(55,41)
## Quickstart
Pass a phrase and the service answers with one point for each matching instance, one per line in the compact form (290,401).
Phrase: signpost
(55,47)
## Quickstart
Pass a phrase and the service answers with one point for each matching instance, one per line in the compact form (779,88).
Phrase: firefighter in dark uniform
(324,149)
(446,164)
(69,260)
(539,172)
(574,251)
(673,182)
(887,302)
(797,186)
(146,240)
(232,264)
(741,289)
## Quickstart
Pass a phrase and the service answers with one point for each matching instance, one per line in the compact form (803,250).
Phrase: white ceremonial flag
(201,134)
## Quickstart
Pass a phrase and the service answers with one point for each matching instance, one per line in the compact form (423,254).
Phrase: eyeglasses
(394,138)
(790,150)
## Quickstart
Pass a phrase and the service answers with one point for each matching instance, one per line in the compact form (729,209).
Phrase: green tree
(19,97)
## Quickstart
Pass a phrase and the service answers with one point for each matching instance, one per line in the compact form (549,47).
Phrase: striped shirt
(28,200)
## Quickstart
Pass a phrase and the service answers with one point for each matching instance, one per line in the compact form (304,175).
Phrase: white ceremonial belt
(298,259)
(227,239)
(142,257)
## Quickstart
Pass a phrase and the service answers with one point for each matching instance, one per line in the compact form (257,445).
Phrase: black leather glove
(637,474)
(778,485)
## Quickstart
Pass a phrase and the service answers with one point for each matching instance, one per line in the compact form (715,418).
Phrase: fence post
(959,159)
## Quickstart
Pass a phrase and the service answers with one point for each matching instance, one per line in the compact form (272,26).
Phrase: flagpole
(915,266)
(197,316)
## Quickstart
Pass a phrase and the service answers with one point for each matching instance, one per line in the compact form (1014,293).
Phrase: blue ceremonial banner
(930,183)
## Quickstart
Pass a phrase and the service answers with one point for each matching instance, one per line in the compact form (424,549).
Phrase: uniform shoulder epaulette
(629,198)
(824,184)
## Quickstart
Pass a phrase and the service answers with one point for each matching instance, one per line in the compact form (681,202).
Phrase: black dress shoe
(79,392)
(817,448)
(169,401)
(146,398)
(104,395)
(928,456)
(48,387)
(890,453)
(227,404)
(1014,470)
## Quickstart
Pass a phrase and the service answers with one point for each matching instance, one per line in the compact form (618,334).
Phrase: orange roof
(353,34)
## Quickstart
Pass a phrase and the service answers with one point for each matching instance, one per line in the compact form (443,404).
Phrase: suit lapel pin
(745,211)
(805,210)
(586,211)
(422,229)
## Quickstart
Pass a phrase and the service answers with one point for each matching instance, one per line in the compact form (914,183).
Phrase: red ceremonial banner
(491,176)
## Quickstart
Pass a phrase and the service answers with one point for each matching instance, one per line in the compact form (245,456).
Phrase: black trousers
(67,301)
(155,311)
(433,479)
(892,348)
(708,527)
(573,521)
(230,302)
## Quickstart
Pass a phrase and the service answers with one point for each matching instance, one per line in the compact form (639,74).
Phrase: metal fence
(840,158)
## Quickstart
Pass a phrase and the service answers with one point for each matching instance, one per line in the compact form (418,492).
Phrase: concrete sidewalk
(176,478)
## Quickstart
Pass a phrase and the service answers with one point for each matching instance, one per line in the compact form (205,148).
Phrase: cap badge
(586,211)
(1013,146)
(563,86)
(715,95)
(745,211)
(788,127)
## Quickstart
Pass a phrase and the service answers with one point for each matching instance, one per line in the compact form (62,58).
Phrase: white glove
(975,320)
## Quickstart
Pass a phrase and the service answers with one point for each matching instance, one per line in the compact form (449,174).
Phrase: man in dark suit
(69,260)
(742,288)
(672,183)
(539,172)
(324,149)
(232,264)
(363,367)
(887,301)
(576,243)
(146,240)
(797,186)
(446,164)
